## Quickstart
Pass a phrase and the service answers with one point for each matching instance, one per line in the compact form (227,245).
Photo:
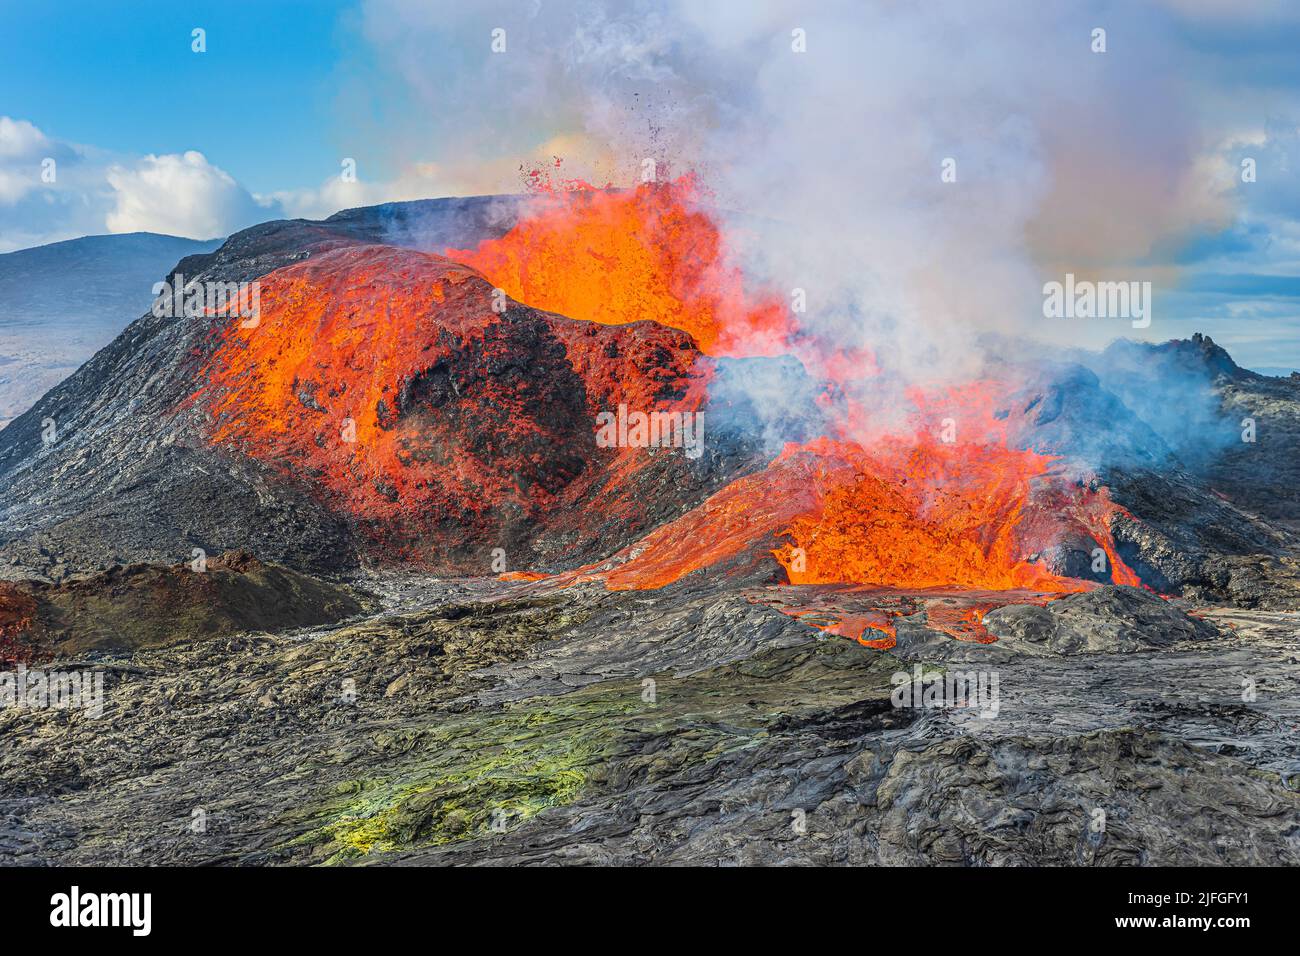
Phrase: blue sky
(1116,165)
(122,76)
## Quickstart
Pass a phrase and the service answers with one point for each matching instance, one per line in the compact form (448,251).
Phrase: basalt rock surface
(474,722)
(1109,619)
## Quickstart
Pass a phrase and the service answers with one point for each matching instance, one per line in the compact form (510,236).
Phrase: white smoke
(827,160)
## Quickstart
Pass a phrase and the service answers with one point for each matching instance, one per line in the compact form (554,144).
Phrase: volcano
(397,405)
(406,439)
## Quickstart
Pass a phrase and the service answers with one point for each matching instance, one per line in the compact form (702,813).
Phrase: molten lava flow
(929,515)
(869,615)
(916,512)
(616,257)
(962,623)
(728,525)
(944,504)
(855,626)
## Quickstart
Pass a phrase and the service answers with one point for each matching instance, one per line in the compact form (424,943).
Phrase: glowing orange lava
(914,514)
(928,515)
(616,257)
(384,379)
(944,503)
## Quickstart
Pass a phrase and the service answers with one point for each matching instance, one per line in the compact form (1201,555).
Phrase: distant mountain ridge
(62,302)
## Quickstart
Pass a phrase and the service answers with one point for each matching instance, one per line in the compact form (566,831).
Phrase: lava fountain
(619,256)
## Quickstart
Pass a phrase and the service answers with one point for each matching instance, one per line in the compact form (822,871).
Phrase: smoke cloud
(918,170)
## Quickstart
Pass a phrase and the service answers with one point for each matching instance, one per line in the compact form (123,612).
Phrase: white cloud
(420,181)
(181,195)
(19,139)
(13,186)
(89,191)
(22,147)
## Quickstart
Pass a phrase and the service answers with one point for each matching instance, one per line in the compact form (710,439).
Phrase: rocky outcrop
(1107,620)
(1110,798)
(143,606)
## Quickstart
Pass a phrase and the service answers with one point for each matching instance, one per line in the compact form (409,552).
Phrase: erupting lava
(386,378)
(616,257)
(917,509)
(944,505)
(908,516)
(928,515)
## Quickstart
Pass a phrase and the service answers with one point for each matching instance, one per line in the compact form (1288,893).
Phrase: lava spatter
(620,256)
